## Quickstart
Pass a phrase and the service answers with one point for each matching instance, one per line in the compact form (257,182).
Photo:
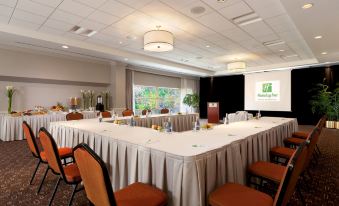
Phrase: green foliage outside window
(156,98)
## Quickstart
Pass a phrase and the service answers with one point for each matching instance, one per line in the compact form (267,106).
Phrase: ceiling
(204,42)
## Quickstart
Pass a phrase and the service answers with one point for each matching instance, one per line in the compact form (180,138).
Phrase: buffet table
(187,165)
(180,122)
(11,127)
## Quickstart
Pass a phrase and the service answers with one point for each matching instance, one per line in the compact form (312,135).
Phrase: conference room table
(11,126)
(186,165)
(180,122)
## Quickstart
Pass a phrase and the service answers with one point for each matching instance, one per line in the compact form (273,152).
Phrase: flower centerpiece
(91,97)
(84,99)
(9,93)
(106,96)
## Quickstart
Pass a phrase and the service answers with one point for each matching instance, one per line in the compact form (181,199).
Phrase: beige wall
(22,64)
(43,80)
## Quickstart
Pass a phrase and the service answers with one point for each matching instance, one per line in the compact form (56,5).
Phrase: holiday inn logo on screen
(267,87)
(267,91)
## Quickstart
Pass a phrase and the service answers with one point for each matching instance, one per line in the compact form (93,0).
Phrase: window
(156,98)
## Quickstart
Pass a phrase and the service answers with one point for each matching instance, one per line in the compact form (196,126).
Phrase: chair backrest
(145,111)
(164,111)
(293,170)
(51,151)
(106,114)
(94,175)
(74,116)
(31,141)
(127,112)
(311,144)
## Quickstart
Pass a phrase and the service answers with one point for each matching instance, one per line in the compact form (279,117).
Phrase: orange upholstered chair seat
(140,194)
(302,135)
(72,173)
(282,152)
(64,152)
(267,170)
(294,141)
(232,194)
(106,115)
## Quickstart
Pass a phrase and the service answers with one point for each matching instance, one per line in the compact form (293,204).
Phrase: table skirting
(11,127)
(180,123)
(188,165)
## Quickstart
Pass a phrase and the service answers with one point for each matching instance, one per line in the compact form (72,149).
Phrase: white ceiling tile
(4,19)
(103,17)
(66,17)
(10,3)
(52,3)
(88,24)
(23,24)
(236,35)
(177,4)
(268,38)
(6,11)
(187,9)
(34,8)
(219,5)
(116,8)
(58,25)
(76,8)
(136,4)
(91,3)
(216,22)
(257,29)
(48,30)
(27,16)
(74,36)
(235,10)
(266,8)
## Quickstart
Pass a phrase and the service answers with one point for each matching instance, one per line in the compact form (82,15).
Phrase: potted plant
(9,93)
(335,105)
(191,100)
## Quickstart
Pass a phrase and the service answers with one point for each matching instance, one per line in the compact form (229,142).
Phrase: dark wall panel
(229,91)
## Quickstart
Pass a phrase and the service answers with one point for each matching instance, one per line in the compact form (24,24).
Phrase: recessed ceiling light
(120,42)
(323,53)
(281,50)
(220,1)
(126,59)
(208,46)
(65,46)
(198,10)
(307,6)
(318,37)
(131,37)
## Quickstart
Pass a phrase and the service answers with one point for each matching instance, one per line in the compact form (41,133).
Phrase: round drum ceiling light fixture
(158,40)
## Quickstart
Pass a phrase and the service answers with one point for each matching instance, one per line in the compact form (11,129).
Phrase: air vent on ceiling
(82,31)
(246,19)
(274,43)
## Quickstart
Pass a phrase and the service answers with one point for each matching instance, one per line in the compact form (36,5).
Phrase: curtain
(188,86)
(129,88)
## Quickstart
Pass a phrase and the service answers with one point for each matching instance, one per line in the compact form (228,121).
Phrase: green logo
(267,87)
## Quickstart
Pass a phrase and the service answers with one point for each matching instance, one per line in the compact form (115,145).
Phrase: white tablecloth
(11,127)
(180,123)
(188,165)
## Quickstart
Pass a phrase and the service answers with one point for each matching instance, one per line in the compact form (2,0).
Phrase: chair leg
(317,148)
(36,169)
(55,189)
(42,181)
(74,189)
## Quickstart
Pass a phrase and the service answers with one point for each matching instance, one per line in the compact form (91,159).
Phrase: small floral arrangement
(91,97)
(84,98)
(9,93)
(106,96)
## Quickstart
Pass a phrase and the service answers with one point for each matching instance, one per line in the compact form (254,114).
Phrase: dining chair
(143,112)
(64,152)
(68,173)
(98,186)
(106,114)
(74,116)
(231,194)
(164,111)
(127,112)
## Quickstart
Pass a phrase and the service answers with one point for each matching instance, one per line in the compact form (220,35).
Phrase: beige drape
(129,88)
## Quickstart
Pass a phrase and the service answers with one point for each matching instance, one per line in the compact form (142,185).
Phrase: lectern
(213,112)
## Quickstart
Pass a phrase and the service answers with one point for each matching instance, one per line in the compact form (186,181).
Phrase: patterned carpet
(17,166)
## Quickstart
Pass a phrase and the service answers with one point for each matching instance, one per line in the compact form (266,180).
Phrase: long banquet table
(180,122)
(187,165)
(11,127)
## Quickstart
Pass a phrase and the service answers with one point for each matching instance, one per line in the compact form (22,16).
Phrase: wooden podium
(213,112)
